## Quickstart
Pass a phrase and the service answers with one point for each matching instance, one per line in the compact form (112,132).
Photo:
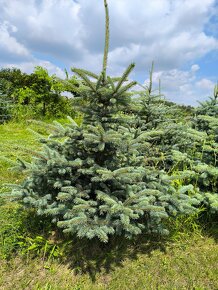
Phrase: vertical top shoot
(106,46)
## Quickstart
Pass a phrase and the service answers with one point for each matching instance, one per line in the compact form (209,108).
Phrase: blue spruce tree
(93,179)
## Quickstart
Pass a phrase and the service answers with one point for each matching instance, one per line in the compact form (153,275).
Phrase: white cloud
(71,33)
(170,32)
(9,46)
(195,67)
(51,27)
(183,86)
(205,84)
(28,67)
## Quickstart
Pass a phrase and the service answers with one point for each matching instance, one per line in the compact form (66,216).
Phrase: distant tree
(13,79)
(35,95)
(5,103)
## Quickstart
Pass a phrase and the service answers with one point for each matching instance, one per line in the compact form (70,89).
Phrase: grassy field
(186,260)
(15,140)
(191,265)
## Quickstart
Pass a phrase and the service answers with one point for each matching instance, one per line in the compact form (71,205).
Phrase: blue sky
(181,36)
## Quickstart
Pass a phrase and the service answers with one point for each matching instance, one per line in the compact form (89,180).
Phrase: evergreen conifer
(93,179)
(184,148)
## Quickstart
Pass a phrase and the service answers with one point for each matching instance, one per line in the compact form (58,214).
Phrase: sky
(180,36)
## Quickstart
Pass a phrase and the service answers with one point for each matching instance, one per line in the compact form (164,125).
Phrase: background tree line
(35,95)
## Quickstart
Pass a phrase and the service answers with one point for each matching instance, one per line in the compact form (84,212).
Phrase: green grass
(186,260)
(14,140)
(190,265)
(17,141)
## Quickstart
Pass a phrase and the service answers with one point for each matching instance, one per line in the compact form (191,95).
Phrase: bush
(37,95)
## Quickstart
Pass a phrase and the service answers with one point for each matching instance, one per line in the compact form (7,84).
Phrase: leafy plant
(37,95)
(5,103)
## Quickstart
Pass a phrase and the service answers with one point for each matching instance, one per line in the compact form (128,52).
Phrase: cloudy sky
(181,36)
